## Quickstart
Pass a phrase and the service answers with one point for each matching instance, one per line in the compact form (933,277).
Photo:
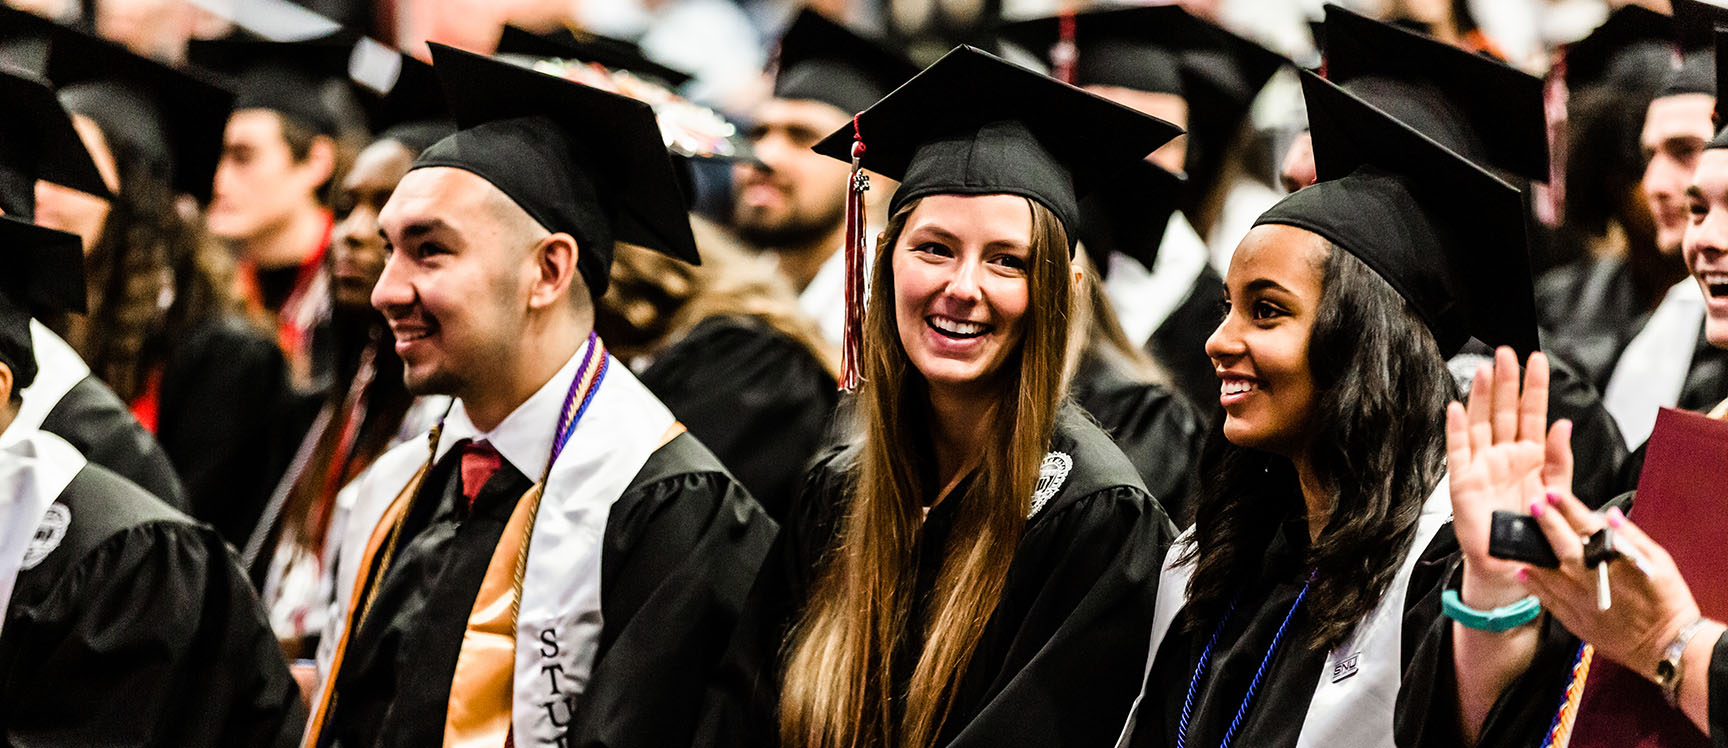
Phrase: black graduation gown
(1599,451)
(1155,428)
(228,422)
(1049,669)
(682,545)
(1717,693)
(1426,711)
(140,630)
(1588,311)
(759,399)
(1179,343)
(93,419)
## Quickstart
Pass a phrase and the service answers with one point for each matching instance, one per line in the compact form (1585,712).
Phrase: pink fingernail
(1616,518)
(1536,509)
(1553,499)
(1522,574)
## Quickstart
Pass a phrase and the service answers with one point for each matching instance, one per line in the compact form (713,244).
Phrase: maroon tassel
(851,343)
(1064,53)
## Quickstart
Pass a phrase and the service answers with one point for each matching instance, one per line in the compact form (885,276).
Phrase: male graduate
(37,141)
(1668,362)
(1162,61)
(558,562)
(790,200)
(126,623)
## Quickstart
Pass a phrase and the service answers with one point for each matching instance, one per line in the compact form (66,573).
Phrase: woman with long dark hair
(1336,588)
(973,562)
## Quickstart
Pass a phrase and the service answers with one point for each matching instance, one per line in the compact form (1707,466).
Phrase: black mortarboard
(1721,113)
(1443,232)
(1476,106)
(171,119)
(397,88)
(1136,47)
(1131,216)
(1622,46)
(568,44)
(289,78)
(580,160)
(975,124)
(1694,31)
(824,61)
(24,39)
(44,272)
(37,141)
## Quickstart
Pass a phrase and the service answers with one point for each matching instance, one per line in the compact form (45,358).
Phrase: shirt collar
(524,437)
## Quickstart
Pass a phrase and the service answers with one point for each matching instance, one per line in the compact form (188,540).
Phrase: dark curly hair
(1379,447)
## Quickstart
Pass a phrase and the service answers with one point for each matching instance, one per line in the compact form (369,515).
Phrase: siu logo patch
(1051,475)
(48,535)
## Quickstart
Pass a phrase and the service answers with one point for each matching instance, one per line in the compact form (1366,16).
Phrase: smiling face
(456,288)
(1706,244)
(1676,128)
(1260,350)
(357,250)
(960,285)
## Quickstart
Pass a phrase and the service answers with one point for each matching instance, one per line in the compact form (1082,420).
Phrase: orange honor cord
(852,340)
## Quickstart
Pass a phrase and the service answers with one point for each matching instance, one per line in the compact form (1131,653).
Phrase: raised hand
(1501,455)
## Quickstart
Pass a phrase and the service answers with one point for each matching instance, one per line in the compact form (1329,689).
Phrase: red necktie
(479,462)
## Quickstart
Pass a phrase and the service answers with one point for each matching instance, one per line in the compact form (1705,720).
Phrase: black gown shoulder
(756,397)
(1587,312)
(228,422)
(1156,428)
(93,419)
(140,630)
(683,545)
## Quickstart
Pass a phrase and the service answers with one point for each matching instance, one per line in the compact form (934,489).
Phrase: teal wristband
(1496,621)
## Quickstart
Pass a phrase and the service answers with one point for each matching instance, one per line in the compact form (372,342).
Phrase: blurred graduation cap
(1720,115)
(1695,23)
(1620,50)
(1165,49)
(1474,105)
(569,44)
(1443,232)
(975,124)
(44,271)
(24,39)
(37,141)
(172,119)
(824,61)
(578,159)
(290,78)
(396,88)
(1131,216)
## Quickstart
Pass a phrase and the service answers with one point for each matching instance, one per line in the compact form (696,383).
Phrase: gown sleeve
(1061,678)
(680,556)
(1717,693)
(154,638)
(93,419)
(1427,710)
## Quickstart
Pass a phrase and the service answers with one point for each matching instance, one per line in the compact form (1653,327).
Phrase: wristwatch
(1668,669)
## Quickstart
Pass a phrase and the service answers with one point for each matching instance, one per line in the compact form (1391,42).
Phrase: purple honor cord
(571,413)
(1254,685)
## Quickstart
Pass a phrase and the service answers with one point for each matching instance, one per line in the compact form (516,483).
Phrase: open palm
(1501,454)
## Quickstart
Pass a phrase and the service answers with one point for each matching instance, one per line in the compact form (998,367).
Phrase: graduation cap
(397,88)
(1695,24)
(173,119)
(825,61)
(1621,48)
(1131,216)
(44,272)
(285,77)
(1474,105)
(24,39)
(37,141)
(578,159)
(975,124)
(1720,115)
(1447,235)
(568,44)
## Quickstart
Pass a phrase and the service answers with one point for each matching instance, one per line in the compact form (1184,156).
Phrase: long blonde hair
(838,680)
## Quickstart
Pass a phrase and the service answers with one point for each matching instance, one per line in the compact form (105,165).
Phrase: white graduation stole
(1652,370)
(35,468)
(1356,696)
(59,369)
